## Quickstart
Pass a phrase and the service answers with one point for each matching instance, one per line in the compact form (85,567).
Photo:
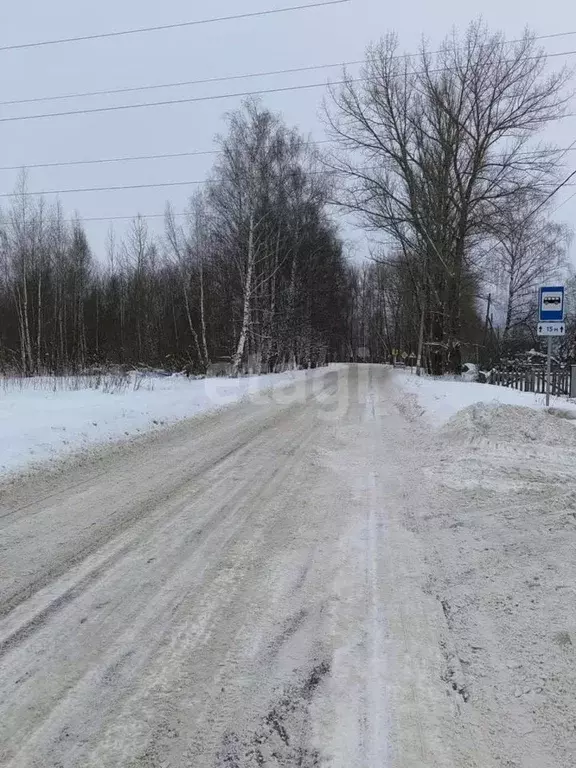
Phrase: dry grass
(108,383)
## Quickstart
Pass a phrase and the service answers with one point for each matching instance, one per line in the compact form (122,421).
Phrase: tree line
(439,157)
(254,274)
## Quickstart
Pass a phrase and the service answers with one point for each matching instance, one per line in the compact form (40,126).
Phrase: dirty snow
(415,606)
(442,398)
(42,420)
(499,529)
(241,594)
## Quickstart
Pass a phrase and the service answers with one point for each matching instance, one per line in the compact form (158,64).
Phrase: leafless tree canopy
(434,148)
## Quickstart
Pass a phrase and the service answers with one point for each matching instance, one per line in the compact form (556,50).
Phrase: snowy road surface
(251,588)
(46,418)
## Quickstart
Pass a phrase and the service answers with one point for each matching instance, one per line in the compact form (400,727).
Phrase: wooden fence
(532,379)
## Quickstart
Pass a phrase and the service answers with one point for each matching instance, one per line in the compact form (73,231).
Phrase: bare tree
(181,247)
(271,233)
(527,251)
(433,147)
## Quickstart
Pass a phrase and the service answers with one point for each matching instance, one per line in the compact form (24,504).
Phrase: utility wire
(572,196)
(129,158)
(226,78)
(554,210)
(166,103)
(212,97)
(130,218)
(222,79)
(105,189)
(181,83)
(195,182)
(551,195)
(162,215)
(163,27)
(560,186)
(107,160)
(565,183)
(128,186)
(199,153)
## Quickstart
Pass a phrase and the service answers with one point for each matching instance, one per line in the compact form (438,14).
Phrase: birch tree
(182,249)
(527,252)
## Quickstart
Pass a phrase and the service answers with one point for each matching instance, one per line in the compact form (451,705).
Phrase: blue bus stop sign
(551,304)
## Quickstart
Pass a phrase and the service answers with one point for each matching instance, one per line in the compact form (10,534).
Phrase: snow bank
(499,423)
(43,420)
(442,398)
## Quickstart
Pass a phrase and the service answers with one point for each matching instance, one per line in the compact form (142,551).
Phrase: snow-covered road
(312,578)
(235,591)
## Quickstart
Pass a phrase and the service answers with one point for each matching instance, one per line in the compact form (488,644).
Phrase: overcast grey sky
(318,36)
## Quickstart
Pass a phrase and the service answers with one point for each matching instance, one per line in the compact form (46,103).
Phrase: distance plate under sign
(551,329)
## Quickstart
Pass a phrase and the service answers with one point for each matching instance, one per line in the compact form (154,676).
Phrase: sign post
(548,370)
(550,323)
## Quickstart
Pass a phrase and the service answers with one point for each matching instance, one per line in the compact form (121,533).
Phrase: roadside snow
(498,523)
(39,424)
(500,527)
(442,398)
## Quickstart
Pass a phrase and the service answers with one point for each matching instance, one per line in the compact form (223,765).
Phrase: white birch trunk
(203,317)
(237,359)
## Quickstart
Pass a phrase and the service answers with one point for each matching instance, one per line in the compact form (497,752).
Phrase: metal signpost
(550,323)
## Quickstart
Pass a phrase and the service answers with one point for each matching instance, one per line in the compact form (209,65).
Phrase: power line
(194,153)
(158,185)
(129,158)
(551,195)
(565,183)
(130,218)
(166,103)
(226,78)
(121,187)
(572,196)
(181,84)
(557,189)
(81,190)
(106,160)
(213,97)
(557,208)
(164,27)
(162,215)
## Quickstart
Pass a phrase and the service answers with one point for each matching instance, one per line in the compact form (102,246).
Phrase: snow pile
(500,534)
(513,424)
(442,398)
(45,418)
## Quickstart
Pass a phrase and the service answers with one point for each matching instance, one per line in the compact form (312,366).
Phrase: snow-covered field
(43,419)
(442,398)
